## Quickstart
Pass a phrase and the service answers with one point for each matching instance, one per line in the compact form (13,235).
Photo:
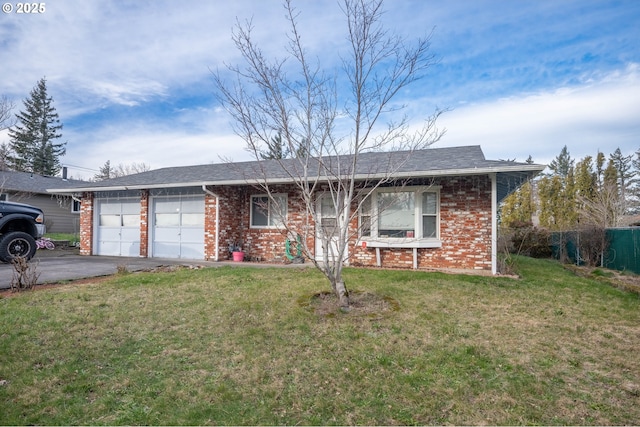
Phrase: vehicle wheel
(17,244)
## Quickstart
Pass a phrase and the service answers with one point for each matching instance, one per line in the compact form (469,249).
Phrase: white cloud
(601,115)
(141,57)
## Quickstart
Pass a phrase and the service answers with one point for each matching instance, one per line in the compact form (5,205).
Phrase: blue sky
(131,80)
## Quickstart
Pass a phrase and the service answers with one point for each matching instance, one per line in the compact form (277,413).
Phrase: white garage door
(178,227)
(118,227)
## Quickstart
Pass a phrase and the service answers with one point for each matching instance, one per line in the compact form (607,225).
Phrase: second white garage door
(178,227)
(118,227)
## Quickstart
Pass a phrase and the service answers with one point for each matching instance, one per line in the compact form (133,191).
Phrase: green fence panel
(622,254)
(564,246)
(624,249)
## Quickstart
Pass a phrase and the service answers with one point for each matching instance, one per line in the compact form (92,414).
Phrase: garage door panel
(191,251)
(178,228)
(192,235)
(166,234)
(109,248)
(167,205)
(193,205)
(130,249)
(118,231)
(164,250)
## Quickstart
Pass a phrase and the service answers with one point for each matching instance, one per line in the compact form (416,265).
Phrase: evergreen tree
(105,172)
(558,194)
(569,201)
(518,207)
(33,140)
(5,154)
(610,177)
(562,164)
(600,161)
(550,194)
(275,149)
(585,178)
(625,173)
(635,185)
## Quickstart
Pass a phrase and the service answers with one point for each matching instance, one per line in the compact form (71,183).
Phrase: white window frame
(417,240)
(272,217)
(4,197)
(73,205)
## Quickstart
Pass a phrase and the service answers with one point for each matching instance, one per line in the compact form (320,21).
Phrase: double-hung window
(267,213)
(410,213)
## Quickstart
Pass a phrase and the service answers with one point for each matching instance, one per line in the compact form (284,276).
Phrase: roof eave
(532,169)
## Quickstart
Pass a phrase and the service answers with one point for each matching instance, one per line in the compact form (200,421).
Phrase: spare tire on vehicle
(17,244)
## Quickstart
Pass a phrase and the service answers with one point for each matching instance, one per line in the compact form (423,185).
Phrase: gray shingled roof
(423,163)
(25,182)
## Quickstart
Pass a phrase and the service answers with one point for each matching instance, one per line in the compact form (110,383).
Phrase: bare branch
(6,118)
(298,100)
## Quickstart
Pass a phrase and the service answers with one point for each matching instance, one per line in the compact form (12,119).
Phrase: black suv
(20,226)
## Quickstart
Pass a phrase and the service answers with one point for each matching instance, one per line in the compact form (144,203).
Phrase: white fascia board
(358,177)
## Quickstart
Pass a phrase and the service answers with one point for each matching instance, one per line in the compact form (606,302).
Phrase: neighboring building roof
(26,182)
(630,221)
(431,162)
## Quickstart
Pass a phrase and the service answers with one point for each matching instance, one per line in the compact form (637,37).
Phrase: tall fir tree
(106,171)
(557,194)
(585,178)
(635,185)
(562,164)
(33,140)
(624,167)
(519,207)
(275,149)
(600,161)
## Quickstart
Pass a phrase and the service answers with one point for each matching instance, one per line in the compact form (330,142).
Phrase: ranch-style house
(441,211)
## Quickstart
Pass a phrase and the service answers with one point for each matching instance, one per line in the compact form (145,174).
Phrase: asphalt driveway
(63,265)
(60,266)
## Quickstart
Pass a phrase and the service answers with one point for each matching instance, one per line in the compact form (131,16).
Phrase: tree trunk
(342,294)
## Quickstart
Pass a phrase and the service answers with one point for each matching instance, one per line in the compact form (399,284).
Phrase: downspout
(494,224)
(217,242)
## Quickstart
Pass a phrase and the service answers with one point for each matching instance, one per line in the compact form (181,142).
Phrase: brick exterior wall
(144,223)
(260,244)
(86,224)
(465,231)
(465,228)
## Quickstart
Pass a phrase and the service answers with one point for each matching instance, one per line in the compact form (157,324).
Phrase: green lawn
(69,237)
(244,346)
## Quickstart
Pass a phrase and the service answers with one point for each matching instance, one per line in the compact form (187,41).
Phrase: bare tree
(604,209)
(332,120)
(129,169)
(107,171)
(6,119)
(5,156)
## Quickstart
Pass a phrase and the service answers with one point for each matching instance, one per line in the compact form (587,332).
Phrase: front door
(327,221)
